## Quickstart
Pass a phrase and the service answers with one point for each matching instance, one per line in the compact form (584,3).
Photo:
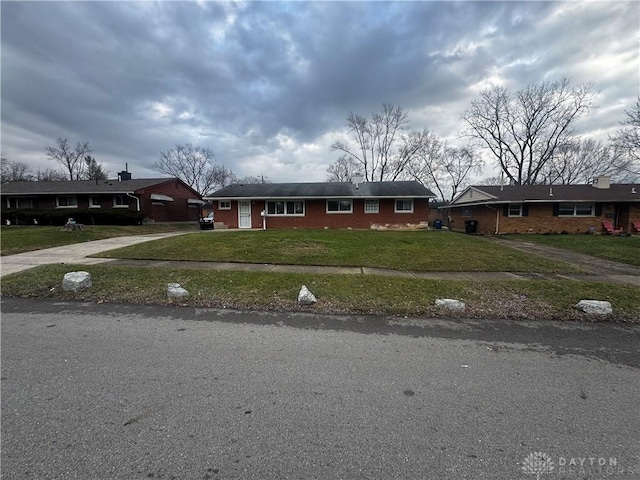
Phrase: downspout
(497,218)
(137,199)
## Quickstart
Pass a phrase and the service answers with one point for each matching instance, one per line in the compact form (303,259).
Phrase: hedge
(60,217)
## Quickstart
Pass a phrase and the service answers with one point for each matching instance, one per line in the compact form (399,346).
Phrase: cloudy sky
(268,85)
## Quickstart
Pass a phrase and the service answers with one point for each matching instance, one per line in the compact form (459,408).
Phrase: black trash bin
(437,224)
(470,226)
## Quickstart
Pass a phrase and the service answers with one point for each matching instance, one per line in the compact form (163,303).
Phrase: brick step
(220,226)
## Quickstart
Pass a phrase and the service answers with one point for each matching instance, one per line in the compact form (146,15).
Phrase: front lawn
(418,251)
(18,239)
(359,294)
(611,247)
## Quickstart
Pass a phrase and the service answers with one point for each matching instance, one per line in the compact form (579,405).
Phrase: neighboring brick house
(320,205)
(547,208)
(159,199)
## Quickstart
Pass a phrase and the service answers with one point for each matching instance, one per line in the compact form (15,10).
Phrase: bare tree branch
(627,139)
(195,166)
(12,171)
(342,170)
(381,147)
(524,131)
(71,159)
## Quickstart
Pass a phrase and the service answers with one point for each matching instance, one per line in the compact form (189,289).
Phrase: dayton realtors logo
(538,463)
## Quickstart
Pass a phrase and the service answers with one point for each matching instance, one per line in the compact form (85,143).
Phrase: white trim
(58,197)
(161,198)
(575,208)
(195,201)
(246,216)
(395,205)
(338,212)
(518,215)
(285,214)
(377,203)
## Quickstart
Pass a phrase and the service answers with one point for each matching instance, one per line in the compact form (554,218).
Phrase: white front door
(244,214)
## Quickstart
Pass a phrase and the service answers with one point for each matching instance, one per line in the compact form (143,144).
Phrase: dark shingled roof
(561,193)
(408,189)
(80,187)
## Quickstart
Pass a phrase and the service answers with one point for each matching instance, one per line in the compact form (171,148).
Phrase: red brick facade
(178,210)
(316,215)
(181,209)
(540,218)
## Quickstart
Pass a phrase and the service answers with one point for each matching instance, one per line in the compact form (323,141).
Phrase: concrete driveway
(76,254)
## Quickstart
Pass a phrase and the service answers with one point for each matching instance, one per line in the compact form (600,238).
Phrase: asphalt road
(138,392)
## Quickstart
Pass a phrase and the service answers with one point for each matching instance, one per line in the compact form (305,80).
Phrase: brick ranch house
(547,208)
(321,205)
(159,199)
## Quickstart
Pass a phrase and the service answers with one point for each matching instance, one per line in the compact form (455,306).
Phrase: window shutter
(556,209)
(525,210)
(598,209)
(505,210)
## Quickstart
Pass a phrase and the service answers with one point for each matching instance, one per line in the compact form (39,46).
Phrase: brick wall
(177,211)
(540,219)
(48,202)
(317,217)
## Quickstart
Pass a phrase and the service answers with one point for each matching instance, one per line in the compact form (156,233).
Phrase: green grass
(611,247)
(419,251)
(18,239)
(362,294)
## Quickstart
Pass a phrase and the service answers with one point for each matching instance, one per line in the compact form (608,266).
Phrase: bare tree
(50,175)
(443,167)
(489,181)
(627,139)
(342,170)
(224,176)
(195,166)
(71,159)
(580,161)
(523,131)
(381,146)
(13,171)
(94,170)
(252,180)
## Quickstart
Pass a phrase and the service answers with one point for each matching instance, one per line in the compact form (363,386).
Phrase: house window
(67,202)
(120,201)
(404,206)
(285,208)
(515,209)
(224,205)
(576,209)
(466,212)
(94,202)
(371,206)
(24,202)
(339,206)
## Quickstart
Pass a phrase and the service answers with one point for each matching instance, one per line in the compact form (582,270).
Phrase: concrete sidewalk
(599,270)
(76,254)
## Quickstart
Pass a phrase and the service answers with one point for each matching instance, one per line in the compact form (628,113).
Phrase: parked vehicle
(206,223)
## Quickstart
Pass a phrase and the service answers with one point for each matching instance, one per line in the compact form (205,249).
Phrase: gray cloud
(268,85)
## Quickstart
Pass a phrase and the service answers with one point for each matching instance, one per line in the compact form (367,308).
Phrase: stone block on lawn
(174,290)
(594,307)
(450,304)
(76,281)
(305,297)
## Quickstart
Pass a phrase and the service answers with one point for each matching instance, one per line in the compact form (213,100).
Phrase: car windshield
(210,215)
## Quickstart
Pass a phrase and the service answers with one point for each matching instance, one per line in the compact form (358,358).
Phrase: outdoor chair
(609,228)
(636,226)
